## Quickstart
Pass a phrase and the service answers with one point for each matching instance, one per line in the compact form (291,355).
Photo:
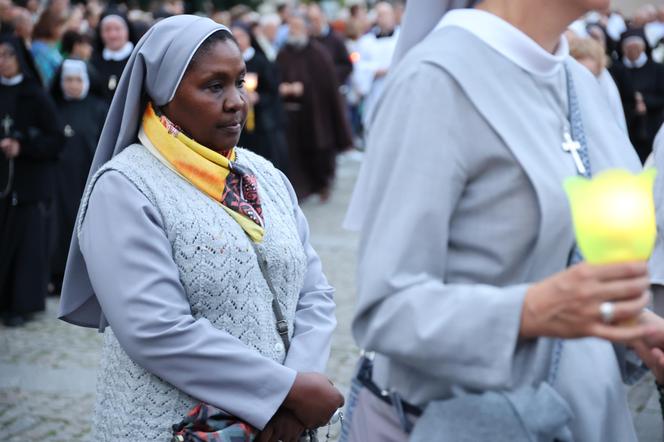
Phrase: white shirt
(509,41)
(121,54)
(654,32)
(13,81)
(638,63)
(248,54)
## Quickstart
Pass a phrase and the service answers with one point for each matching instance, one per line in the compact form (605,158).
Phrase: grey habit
(194,356)
(461,207)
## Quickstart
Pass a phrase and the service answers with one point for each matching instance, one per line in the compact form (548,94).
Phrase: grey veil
(421,17)
(154,70)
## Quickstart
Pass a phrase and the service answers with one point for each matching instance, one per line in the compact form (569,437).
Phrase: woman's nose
(235,100)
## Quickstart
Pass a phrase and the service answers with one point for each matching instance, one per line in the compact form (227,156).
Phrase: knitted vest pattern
(219,270)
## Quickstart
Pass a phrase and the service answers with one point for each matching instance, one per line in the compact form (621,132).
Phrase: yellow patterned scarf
(218,176)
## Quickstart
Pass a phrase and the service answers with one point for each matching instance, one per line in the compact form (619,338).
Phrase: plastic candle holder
(614,215)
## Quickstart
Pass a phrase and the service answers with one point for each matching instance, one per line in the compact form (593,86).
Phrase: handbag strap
(281,323)
(579,134)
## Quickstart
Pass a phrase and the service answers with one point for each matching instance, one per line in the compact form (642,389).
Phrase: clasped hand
(310,403)
(10,147)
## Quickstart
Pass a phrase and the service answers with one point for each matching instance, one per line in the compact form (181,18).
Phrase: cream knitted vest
(222,280)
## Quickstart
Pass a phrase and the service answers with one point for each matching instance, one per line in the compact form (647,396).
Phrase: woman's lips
(233,127)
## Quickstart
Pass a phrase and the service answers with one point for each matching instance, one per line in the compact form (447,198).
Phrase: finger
(611,272)
(275,437)
(621,289)
(626,310)
(658,355)
(644,352)
(620,334)
(265,435)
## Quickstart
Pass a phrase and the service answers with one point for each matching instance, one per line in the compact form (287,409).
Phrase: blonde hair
(588,48)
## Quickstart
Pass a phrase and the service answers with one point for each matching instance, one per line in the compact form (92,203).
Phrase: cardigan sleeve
(129,260)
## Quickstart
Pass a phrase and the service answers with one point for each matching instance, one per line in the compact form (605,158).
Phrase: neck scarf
(218,176)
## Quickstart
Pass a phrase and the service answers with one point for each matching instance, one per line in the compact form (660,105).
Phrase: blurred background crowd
(315,72)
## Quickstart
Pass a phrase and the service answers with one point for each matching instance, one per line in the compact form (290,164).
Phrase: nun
(83,116)
(114,46)
(30,141)
(193,257)
(478,319)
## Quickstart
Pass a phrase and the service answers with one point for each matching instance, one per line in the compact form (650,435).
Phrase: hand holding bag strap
(282,324)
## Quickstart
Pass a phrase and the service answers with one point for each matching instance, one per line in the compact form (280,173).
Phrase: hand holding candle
(614,221)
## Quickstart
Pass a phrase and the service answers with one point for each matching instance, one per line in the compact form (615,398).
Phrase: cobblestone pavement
(47,369)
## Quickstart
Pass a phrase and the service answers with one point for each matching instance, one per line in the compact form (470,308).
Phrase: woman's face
(8,62)
(114,34)
(210,105)
(81,50)
(72,86)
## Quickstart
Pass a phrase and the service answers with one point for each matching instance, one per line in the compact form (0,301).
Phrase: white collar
(13,81)
(123,53)
(638,64)
(249,53)
(508,40)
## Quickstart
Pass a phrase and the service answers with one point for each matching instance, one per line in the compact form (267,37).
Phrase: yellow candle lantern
(614,215)
(251,84)
(251,81)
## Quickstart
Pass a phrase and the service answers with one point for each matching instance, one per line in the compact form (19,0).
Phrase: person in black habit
(83,117)
(264,132)
(30,141)
(321,31)
(641,84)
(114,46)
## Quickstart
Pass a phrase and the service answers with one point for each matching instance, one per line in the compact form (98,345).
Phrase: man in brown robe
(320,30)
(317,127)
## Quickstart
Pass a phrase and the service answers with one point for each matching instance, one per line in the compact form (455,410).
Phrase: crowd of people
(626,56)
(193,257)
(311,83)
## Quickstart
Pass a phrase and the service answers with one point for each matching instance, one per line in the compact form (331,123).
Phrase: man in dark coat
(320,31)
(317,127)
(264,131)
(641,84)
(30,141)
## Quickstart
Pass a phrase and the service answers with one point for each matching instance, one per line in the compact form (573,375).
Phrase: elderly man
(320,31)
(641,85)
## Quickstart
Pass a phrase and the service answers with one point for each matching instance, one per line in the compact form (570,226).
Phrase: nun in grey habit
(174,283)
(466,236)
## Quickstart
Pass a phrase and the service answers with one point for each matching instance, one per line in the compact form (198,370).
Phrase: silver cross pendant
(572,147)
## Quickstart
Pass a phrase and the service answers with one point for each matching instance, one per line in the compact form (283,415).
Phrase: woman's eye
(215,87)
(240,83)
